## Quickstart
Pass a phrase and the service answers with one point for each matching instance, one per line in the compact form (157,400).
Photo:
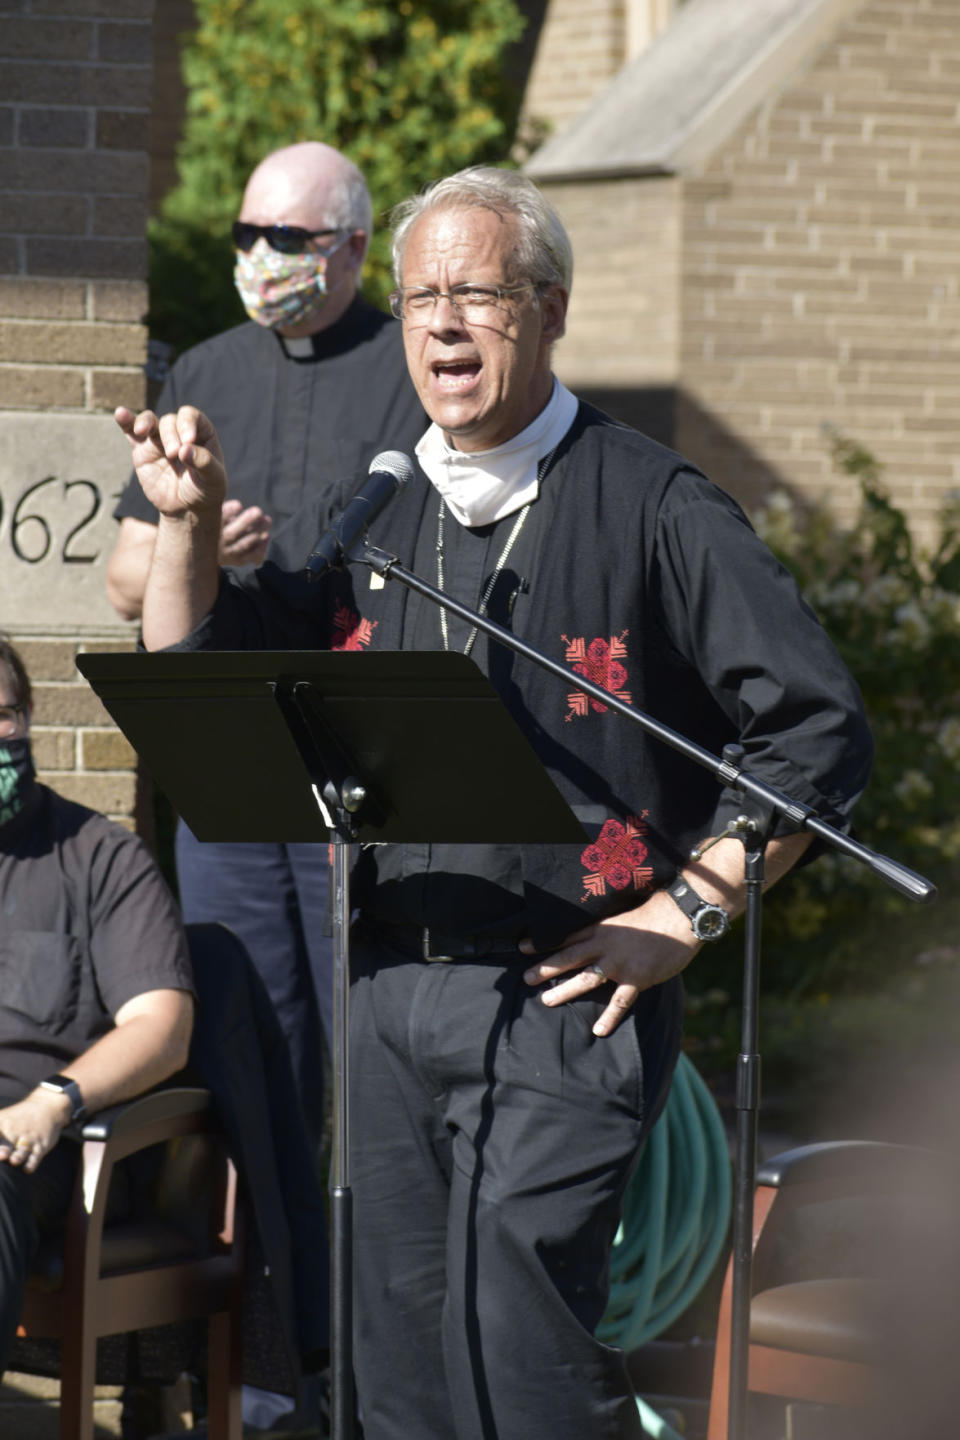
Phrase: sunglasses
(288,239)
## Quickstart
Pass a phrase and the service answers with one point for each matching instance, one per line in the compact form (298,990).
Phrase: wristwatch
(708,921)
(63,1085)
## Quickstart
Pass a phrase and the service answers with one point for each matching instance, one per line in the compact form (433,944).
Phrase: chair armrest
(117,1121)
(833,1161)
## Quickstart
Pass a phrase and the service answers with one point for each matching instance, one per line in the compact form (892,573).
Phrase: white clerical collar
(485,485)
(298,347)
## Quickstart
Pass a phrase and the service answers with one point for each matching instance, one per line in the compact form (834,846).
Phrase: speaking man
(515,1010)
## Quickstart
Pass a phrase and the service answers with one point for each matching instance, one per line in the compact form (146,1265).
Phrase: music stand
(350,746)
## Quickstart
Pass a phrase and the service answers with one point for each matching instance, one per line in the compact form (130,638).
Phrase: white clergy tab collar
(485,485)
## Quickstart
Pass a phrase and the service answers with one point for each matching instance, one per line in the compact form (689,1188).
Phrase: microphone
(388,474)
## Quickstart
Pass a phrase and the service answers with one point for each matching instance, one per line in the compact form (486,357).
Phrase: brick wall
(75,82)
(623,338)
(77,749)
(579,51)
(75,91)
(821,270)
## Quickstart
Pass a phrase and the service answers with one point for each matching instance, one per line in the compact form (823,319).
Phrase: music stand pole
(341,1195)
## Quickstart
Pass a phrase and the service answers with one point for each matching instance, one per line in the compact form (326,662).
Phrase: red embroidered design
(350,632)
(600,662)
(616,858)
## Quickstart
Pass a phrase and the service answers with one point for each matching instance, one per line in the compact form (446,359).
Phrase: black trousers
(274,898)
(29,1205)
(492,1140)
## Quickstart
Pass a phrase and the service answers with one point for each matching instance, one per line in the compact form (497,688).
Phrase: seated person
(96,992)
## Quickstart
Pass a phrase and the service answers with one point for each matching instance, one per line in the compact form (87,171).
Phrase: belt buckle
(425,945)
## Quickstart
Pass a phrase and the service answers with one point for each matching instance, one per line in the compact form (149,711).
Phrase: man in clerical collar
(516,1009)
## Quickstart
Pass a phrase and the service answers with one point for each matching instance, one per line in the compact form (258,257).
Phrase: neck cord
(488,590)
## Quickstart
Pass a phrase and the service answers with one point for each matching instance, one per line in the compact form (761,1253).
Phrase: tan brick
(781,145)
(44,214)
(118,9)
(781,261)
(759,347)
(64,129)
(126,43)
(74,84)
(49,659)
(23,340)
(106,750)
(876,264)
(110,794)
(109,647)
(30,298)
(747,212)
(68,705)
(123,129)
(31,388)
(834,126)
(110,388)
(90,172)
(35,39)
(116,215)
(95,258)
(121,300)
(53,749)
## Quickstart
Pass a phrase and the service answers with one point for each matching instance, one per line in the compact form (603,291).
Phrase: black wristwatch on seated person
(708,921)
(65,1086)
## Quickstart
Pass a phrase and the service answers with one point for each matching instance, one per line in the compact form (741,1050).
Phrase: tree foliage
(893,612)
(409,91)
(834,933)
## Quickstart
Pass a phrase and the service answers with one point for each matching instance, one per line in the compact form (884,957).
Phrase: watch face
(711,922)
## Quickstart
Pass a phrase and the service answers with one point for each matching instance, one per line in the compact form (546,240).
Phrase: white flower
(885,591)
(948,738)
(943,608)
(912,628)
(912,788)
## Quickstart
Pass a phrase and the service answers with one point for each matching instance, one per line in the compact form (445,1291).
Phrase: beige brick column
(75,90)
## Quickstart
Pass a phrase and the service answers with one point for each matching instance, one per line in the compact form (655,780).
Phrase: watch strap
(65,1086)
(694,906)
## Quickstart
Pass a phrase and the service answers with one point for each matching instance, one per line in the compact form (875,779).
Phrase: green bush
(850,969)
(410,92)
(894,614)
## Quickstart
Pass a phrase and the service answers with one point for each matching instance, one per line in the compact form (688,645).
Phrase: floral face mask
(282,290)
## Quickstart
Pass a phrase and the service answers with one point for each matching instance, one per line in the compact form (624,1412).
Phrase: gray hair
(543,254)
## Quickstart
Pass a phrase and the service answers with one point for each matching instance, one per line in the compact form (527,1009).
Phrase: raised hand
(177,458)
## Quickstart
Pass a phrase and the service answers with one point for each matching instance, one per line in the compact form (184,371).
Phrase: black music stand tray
(302,745)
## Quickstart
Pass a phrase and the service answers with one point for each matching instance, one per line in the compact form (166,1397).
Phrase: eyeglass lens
(470,299)
(9,718)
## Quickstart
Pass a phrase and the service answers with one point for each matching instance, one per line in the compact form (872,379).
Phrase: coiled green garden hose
(675,1217)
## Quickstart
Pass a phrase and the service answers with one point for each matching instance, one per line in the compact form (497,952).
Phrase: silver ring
(597,970)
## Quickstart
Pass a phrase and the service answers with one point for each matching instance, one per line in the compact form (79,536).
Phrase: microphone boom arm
(891,872)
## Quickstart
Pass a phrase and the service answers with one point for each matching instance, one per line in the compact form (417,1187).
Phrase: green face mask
(17,776)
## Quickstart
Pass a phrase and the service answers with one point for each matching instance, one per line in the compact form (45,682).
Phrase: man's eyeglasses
(288,239)
(10,719)
(472,300)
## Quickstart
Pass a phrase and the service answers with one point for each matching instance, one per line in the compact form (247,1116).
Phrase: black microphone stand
(765,801)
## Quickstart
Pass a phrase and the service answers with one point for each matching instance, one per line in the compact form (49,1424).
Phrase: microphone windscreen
(395,463)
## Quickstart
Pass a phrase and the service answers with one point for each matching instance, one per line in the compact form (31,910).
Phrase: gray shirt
(86,924)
